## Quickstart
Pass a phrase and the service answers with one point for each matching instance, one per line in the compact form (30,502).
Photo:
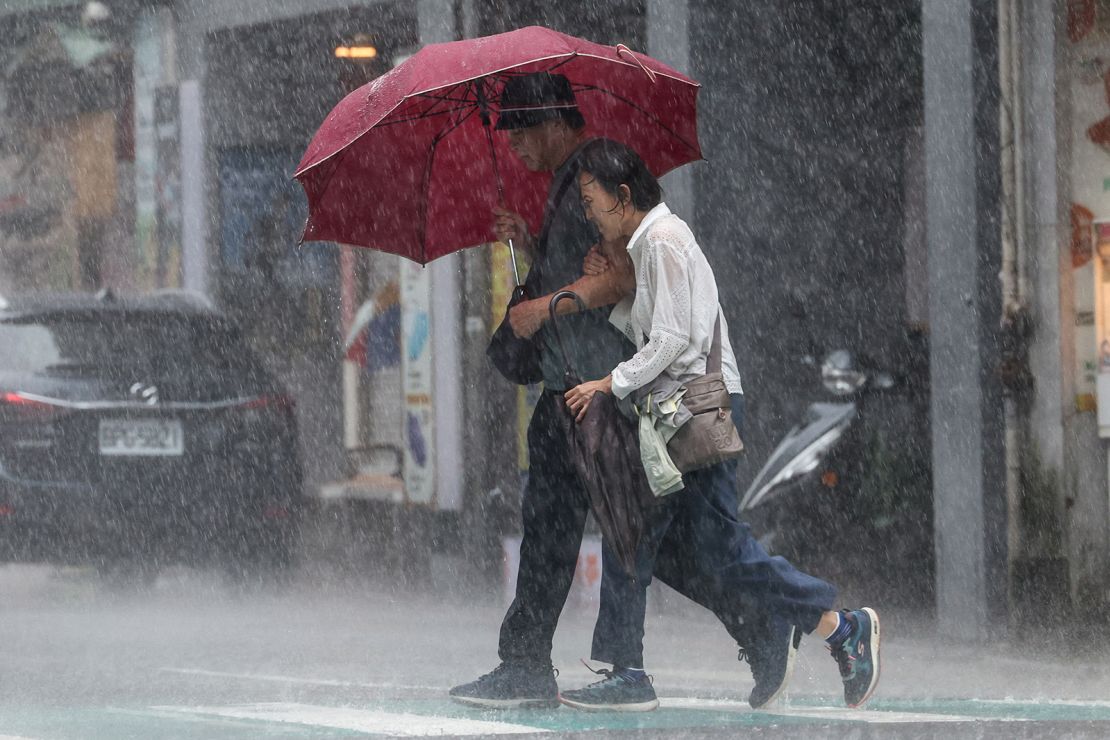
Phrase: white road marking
(872,716)
(1023,703)
(274,678)
(359,720)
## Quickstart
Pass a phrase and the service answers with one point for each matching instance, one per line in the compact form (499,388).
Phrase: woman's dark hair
(613,164)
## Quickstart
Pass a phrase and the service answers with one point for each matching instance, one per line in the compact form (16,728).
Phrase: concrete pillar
(195,162)
(962,197)
(194,219)
(436,19)
(1052,416)
(669,41)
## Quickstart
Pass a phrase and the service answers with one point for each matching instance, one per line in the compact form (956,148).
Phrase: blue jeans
(695,543)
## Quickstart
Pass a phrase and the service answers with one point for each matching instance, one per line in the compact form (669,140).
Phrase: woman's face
(602,208)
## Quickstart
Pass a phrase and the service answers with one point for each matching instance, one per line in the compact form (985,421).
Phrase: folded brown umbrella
(605,446)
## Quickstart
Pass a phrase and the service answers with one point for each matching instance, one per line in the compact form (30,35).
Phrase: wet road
(325,656)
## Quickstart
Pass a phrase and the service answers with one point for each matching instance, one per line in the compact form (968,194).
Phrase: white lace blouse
(674,307)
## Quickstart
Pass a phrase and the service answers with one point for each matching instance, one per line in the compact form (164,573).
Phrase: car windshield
(80,342)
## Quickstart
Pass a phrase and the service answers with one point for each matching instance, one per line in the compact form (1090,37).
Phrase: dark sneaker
(617,692)
(511,686)
(858,656)
(771,655)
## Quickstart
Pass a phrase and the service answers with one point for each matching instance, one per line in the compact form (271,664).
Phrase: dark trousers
(553,511)
(694,540)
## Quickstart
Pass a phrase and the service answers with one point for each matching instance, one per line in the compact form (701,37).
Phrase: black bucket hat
(534,98)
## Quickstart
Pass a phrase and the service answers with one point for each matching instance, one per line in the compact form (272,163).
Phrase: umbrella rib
(424,202)
(446,95)
(327,186)
(422,116)
(464,103)
(427,179)
(658,121)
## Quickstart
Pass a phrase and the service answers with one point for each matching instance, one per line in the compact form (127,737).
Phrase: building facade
(918,182)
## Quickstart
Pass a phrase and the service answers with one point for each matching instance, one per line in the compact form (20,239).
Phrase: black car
(141,431)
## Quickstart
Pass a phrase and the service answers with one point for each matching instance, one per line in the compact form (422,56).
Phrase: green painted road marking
(417,717)
(1048,710)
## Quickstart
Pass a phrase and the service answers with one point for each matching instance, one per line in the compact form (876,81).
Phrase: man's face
(537,146)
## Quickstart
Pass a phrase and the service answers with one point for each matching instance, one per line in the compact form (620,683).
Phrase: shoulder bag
(709,437)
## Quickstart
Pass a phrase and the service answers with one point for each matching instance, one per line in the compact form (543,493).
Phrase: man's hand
(508,225)
(595,262)
(527,317)
(578,398)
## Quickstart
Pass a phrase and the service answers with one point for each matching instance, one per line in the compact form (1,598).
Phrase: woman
(671,319)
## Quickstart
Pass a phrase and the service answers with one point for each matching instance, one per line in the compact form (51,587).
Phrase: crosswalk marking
(359,720)
(276,678)
(875,716)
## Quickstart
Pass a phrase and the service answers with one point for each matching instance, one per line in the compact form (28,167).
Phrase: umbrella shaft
(512,256)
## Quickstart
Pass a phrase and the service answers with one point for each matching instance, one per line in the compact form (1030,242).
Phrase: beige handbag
(710,436)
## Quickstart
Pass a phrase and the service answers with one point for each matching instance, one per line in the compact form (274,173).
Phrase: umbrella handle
(569,376)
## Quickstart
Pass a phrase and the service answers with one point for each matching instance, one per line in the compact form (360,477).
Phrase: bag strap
(556,198)
(713,364)
(548,214)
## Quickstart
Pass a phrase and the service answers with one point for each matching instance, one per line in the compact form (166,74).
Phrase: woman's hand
(595,262)
(578,398)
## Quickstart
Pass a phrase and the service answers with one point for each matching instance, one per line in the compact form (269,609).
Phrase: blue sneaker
(771,655)
(858,656)
(511,686)
(617,692)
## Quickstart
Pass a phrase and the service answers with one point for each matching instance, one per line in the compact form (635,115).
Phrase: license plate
(141,437)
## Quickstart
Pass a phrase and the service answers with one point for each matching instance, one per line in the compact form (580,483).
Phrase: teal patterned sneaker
(858,656)
(617,692)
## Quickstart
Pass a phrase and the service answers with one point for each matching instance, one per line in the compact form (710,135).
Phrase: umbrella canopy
(406,164)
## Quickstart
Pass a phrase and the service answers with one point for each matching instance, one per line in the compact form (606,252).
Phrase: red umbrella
(407,164)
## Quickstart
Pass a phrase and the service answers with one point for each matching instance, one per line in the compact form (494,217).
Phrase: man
(545,130)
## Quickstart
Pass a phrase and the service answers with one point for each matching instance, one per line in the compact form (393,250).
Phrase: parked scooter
(772,502)
(809,443)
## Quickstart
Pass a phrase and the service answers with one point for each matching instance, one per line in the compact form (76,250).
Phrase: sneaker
(511,686)
(617,692)
(771,655)
(858,656)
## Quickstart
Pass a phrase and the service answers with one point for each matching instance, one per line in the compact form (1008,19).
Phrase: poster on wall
(167,183)
(262,214)
(502,283)
(147,69)
(416,383)
(1089,211)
